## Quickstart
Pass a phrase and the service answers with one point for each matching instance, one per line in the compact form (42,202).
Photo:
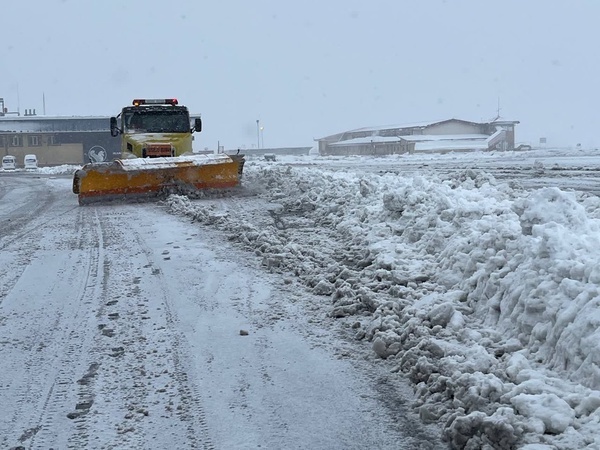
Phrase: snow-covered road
(473,277)
(127,327)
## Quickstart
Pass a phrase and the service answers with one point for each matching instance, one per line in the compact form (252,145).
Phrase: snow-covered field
(484,292)
(475,276)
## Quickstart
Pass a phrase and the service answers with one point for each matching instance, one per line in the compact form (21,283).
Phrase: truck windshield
(156,121)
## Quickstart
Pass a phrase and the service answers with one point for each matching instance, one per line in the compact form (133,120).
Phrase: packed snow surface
(476,276)
(483,293)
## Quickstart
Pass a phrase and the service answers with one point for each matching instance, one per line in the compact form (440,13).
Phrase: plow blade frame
(150,177)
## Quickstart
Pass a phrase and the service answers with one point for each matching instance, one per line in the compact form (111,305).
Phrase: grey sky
(311,68)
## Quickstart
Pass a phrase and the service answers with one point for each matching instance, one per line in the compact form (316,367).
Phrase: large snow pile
(485,295)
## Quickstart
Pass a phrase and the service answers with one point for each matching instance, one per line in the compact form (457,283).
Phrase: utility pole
(257,133)
(262,137)
(498,107)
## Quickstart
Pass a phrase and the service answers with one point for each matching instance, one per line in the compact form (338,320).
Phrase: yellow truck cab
(153,128)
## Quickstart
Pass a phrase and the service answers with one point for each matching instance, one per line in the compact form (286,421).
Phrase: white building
(439,137)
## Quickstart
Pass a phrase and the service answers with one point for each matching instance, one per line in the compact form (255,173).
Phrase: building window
(34,141)
(16,141)
(52,140)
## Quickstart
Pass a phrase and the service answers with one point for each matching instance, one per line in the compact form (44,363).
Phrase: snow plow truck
(156,157)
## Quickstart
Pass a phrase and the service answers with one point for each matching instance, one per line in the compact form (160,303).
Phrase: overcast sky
(310,68)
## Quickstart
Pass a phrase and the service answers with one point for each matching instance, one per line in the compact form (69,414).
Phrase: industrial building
(438,136)
(57,140)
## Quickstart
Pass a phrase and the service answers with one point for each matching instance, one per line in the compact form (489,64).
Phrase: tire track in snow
(48,371)
(142,395)
(21,228)
(56,407)
(16,240)
(106,390)
(190,408)
(20,216)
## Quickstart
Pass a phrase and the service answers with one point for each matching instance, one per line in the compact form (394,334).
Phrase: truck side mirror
(114,129)
(198,124)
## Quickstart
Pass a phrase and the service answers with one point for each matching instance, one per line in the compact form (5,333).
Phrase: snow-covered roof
(448,139)
(444,137)
(366,140)
(41,117)
(406,126)
(36,124)
(401,126)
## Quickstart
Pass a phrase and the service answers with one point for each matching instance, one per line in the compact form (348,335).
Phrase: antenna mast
(498,110)
(18,101)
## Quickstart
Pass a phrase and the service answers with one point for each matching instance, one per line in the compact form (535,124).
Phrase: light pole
(262,137)
(257,133)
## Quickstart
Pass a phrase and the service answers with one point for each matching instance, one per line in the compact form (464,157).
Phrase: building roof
(42,117)
(39,124)
(446,139)
(398,127)
(366,140)
(49,124)
(407,126)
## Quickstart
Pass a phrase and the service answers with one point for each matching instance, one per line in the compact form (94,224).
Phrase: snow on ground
(484,294)
(62,169)
(58,170)
(125,327)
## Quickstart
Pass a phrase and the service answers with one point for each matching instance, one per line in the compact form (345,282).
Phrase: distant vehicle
(30,162)
(523,147)
(270,157)
(9,162)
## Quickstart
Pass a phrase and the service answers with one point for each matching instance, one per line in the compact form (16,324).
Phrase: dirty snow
(475,276)
(484,292)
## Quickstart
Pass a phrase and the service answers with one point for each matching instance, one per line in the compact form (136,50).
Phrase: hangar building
(438,137)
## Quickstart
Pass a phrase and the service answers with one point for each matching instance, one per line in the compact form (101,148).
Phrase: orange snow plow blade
(150,177)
